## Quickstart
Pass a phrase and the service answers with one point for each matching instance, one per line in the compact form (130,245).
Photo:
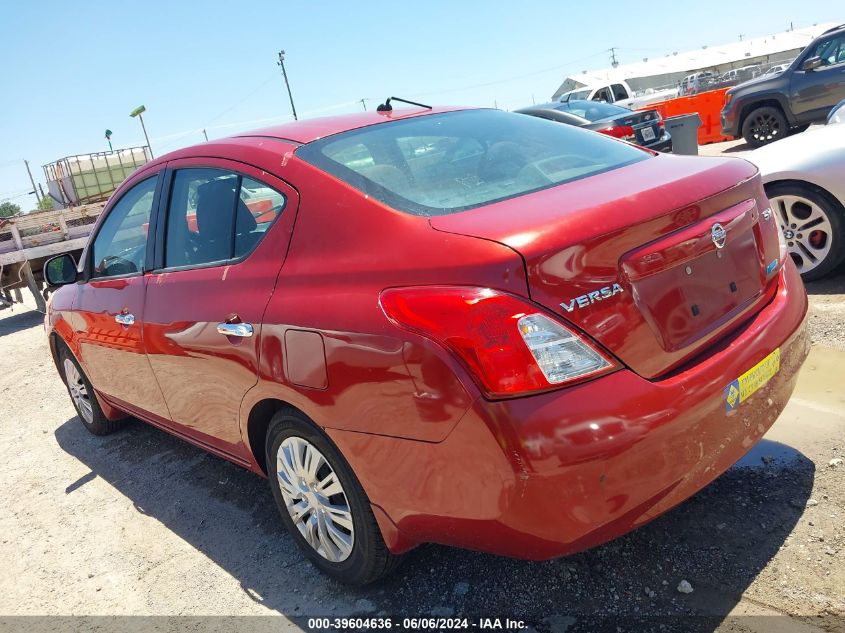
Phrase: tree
(8,209)
(46,204)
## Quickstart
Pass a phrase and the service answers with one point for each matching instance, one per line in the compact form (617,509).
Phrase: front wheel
(83,397)
(322,504)
(813,225)
(763,126)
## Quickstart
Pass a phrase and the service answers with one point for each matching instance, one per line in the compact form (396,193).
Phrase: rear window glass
(446,163)
(590,110)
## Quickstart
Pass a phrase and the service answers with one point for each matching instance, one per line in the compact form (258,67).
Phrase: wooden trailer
(27,241)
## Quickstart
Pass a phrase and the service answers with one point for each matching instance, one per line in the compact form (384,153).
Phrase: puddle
(769,454)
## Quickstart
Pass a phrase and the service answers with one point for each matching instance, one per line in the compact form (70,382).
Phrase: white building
(666,71)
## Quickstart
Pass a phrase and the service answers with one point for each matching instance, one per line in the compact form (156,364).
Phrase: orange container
(708,105)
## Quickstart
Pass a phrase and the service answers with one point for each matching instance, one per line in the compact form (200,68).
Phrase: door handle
(125,319)
(243,330)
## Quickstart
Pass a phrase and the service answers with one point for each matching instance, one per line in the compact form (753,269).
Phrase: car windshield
(445,163)
(590,110)
(577,94)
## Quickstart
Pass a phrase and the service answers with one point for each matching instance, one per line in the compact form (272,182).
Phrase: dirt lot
(140,523)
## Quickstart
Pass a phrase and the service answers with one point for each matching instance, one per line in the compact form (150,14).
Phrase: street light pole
(137,112)
(281,63)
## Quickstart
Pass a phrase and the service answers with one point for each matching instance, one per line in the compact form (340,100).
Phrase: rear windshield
(445,163)
(590,110)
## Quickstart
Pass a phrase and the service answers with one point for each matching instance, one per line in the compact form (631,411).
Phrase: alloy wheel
(806,228)
(766,127)
(315,499)
(78,391)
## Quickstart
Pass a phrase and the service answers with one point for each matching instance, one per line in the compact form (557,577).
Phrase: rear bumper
(553,474)
(663,144)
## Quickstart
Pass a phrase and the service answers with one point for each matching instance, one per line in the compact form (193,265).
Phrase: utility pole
(364,103)
(204,134)
(32,181)
(740,37)
(281,63)
(613,61)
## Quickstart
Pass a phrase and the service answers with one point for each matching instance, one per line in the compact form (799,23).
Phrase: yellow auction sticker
(741,389)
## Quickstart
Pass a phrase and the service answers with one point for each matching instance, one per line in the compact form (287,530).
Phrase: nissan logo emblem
(719,235)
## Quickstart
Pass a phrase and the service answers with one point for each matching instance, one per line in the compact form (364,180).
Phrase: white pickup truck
(621,94)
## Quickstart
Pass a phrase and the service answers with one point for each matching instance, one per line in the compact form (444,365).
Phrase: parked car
(803,176)
(698,82)
(644,127)
(525,339)
(778,68)
(619,93)
(738,75)
(837,115)
(768,108)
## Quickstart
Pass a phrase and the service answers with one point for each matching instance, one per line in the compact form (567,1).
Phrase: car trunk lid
(631,256)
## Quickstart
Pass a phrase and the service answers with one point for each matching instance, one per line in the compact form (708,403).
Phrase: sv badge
(592,297)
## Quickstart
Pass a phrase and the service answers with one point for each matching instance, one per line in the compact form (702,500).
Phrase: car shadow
(15,322)
(832,284)
(718,541)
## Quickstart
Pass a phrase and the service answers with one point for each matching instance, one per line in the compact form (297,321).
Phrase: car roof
(294,134)
(309,130)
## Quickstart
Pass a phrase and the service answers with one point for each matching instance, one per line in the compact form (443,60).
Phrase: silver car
(804,177)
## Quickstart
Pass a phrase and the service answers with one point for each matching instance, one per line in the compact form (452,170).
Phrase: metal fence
(88,178)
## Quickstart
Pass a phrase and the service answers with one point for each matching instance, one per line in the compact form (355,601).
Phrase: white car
(804,177)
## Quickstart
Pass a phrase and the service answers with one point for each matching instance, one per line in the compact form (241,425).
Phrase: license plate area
(685,286)
(648,134)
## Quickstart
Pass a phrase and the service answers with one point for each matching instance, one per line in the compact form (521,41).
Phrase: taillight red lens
(625,132)
(508,345)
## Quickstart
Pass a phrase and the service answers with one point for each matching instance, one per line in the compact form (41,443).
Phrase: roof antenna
(386,107)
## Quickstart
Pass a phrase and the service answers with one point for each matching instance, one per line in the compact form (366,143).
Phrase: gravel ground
(140,523)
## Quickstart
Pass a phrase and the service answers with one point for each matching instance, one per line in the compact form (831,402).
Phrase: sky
(70,70)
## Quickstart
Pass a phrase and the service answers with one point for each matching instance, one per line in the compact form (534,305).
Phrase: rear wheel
(813,225)
(764,125)
(322,504)
(83,397)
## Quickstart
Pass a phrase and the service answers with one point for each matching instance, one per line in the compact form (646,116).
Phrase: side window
(264,204)
(121,242)
(619,92)
(831,51)
(603,95)
(216,216)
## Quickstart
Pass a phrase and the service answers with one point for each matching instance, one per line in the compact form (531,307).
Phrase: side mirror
(60,270)
(811,63)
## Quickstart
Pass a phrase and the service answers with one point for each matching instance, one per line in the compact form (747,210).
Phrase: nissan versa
(466,327)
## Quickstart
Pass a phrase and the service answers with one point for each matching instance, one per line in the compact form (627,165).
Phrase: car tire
(763,126)
(83,397)
(292,439)
(799,128)
(816,249)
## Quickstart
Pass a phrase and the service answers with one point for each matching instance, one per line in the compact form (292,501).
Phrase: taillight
(508,345)
(625,132)
(660,123)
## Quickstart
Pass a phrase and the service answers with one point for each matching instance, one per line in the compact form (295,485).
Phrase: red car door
(109,312)
(218,253)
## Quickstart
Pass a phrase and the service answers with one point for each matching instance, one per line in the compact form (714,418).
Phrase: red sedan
(466,327)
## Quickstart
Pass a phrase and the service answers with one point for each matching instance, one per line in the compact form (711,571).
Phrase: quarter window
(217,216)
(121,242)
